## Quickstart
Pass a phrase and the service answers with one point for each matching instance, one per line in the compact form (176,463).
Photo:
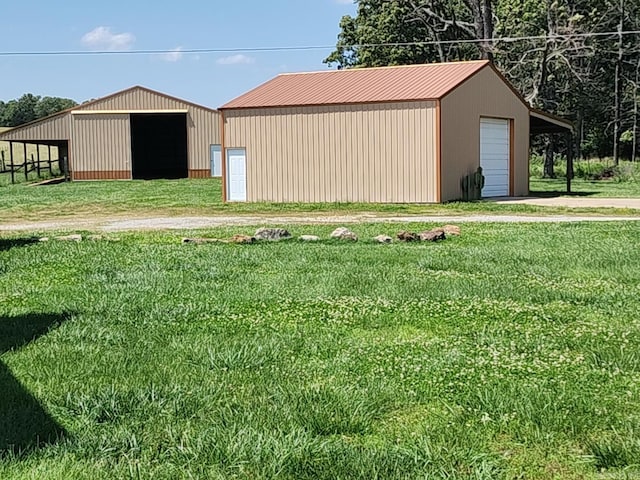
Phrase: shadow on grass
(9,243)
(558,193)
(25,424)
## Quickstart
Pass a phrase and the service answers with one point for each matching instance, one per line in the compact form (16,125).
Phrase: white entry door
(237,175)
(494,156)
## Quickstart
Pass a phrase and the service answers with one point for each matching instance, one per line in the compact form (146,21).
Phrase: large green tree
(554,51)
(31,107)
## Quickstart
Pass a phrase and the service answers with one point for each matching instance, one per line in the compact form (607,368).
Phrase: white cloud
(237,59)
(103,38)
(344,2)
(174,55)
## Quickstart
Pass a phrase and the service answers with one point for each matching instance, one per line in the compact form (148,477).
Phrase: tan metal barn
(392,134)
(137,133)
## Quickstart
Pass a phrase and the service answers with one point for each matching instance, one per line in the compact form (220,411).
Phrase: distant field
(508,353)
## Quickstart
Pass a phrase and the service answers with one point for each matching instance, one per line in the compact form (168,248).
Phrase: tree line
(568,57)
(31,107)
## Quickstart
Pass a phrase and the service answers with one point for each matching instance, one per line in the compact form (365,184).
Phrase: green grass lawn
(203,197)
(580,187)
(510,352)
(620,181)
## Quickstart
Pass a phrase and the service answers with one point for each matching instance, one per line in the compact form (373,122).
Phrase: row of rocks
(433,235)
(341,233)
(262,234)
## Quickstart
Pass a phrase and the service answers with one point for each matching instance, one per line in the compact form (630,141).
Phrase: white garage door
(494,156)
(237,175)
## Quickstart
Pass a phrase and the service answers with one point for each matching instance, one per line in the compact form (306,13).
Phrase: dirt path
(187,223)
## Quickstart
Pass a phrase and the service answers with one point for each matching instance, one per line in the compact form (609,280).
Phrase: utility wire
(311,47)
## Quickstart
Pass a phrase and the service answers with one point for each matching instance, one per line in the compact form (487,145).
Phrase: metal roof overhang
(542,122)
(33,141)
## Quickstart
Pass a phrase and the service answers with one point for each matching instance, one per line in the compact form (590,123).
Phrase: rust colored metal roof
(359,85)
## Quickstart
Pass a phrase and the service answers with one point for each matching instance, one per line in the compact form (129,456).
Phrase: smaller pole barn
(137,133)
(406,134)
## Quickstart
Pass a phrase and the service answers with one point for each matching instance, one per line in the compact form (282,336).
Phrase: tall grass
(510,352)
(590,169)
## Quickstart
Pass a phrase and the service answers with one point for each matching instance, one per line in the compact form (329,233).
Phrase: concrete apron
(572,202)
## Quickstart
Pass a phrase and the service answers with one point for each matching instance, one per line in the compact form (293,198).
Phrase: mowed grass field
(204,197)
(587,188)
(510,352)
(598,178)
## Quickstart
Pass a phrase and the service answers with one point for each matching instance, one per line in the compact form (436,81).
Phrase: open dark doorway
(159,145)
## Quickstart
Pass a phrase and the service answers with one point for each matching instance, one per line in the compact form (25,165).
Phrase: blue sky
(207,78)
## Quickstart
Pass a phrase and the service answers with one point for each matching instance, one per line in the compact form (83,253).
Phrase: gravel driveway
(187,223)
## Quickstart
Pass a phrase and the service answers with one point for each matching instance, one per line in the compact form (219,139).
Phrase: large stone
(343,233)
(70,238)
(383,239)
(272,234)
(242,239)
(309,238)
(434,235)
(453,230)
(405,236)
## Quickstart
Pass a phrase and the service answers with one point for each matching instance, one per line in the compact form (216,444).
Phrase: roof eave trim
(548,117)
(332,104)
(126,112)
(465,79)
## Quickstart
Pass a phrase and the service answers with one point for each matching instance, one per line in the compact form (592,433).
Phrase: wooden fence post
(26,161)
(569,160)
(49,157)
(38,159)
(13,173)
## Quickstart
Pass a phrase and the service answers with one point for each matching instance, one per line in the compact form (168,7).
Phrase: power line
(312,47)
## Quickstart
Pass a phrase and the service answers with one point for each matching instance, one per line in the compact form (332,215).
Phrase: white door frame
(215,153)
(510,152)
(241,195)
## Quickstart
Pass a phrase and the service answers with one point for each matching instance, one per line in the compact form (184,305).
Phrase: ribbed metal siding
(363,153)
(203,124)
(204,131)
(55,128)
(483,95)
(101,143)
